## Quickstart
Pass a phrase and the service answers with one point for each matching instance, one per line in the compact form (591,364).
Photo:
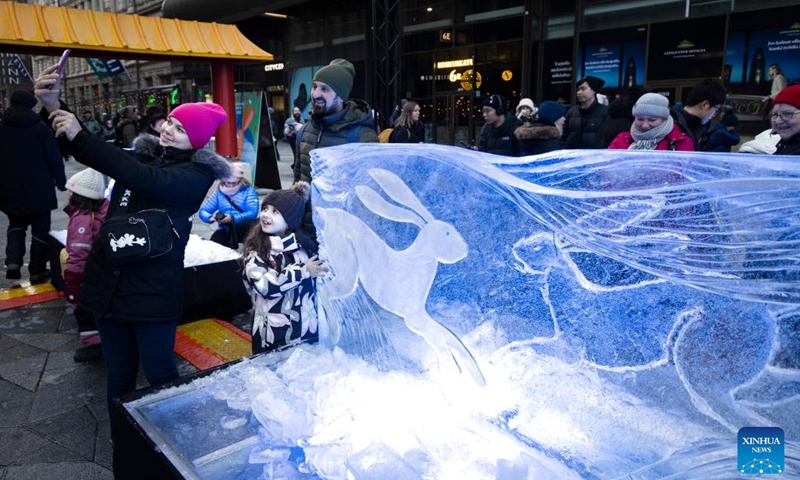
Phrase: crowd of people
(128,309)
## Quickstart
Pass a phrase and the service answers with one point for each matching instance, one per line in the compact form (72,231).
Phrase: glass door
(453,119)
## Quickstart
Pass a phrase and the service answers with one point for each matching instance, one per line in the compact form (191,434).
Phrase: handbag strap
(234,205)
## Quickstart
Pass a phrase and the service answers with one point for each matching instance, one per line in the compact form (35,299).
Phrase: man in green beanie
(335,120)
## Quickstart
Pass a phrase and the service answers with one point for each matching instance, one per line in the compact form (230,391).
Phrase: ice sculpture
(576,315)
(674,277)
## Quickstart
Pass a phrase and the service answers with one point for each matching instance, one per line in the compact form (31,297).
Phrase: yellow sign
(466,80)
(507,75)
(467,62)
(454,76)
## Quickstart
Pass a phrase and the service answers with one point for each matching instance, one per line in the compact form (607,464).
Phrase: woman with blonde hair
(407,127)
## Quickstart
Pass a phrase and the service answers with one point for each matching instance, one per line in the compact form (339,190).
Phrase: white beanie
(652,105)
(89,182)
(527,102)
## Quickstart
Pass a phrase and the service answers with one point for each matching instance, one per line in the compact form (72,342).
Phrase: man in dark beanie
(582,126)
(30,170)
(334,120)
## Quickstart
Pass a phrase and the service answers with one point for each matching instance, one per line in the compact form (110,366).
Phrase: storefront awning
(44,30)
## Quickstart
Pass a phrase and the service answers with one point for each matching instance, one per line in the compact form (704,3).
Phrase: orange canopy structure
(45,30)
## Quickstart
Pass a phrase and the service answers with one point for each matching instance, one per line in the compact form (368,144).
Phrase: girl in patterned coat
(279,273)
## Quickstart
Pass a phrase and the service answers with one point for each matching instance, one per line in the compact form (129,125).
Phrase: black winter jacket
(582,126)
(620,119)
(401,134)
(691,126)
(720,139)
(789,147)
(31,165)
(150,290)
(538,138)
(500,140)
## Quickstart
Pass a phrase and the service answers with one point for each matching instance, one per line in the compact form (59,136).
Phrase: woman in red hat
(785,120)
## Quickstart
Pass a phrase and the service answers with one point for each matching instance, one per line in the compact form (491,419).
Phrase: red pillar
(222,90)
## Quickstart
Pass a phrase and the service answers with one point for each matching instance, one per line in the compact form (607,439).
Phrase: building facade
(450,55)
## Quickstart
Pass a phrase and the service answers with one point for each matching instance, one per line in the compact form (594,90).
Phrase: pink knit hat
(200,120)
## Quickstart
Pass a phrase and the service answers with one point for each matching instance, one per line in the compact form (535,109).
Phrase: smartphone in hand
(61,62)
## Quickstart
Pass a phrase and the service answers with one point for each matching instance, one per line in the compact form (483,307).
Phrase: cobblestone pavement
(53,417)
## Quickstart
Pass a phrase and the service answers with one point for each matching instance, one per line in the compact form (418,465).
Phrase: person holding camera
(233,207)
(542,134)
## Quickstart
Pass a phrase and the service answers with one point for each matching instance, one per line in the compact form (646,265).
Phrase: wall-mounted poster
(686,49)
(620,65)
(558,71)
(750,54)
(300,89)
(602,61)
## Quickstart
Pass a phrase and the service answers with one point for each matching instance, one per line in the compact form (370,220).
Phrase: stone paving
(53,416)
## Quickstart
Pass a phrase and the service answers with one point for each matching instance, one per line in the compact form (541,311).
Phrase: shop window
(562,26)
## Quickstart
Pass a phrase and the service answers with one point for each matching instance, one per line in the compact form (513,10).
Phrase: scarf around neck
(649,140)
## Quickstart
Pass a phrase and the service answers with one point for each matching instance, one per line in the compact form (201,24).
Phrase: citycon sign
(273,67)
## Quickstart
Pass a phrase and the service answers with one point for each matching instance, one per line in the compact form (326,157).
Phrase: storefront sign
(273,67)
(467,62)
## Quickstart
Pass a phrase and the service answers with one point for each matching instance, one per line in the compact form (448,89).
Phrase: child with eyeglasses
(233,207)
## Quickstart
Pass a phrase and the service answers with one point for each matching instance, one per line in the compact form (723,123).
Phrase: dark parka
(353,124)
(153,177)
(535,138)
(500,140)
(620,118)
(789,147)
(582,126)
(692,126)
(720,139)
(401,134)
(31,165)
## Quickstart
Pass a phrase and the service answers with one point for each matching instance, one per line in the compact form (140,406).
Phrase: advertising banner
(248,120)
(686,49)
(558,71)
(750,54)
(620,65)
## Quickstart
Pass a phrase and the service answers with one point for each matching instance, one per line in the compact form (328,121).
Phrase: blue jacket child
(722,135)
(233,206)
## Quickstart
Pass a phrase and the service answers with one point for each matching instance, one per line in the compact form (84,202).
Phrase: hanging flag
(106,68)
(17,62)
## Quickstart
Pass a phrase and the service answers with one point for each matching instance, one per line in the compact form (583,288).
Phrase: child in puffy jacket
(86,210)
(722,135)
(233,206)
